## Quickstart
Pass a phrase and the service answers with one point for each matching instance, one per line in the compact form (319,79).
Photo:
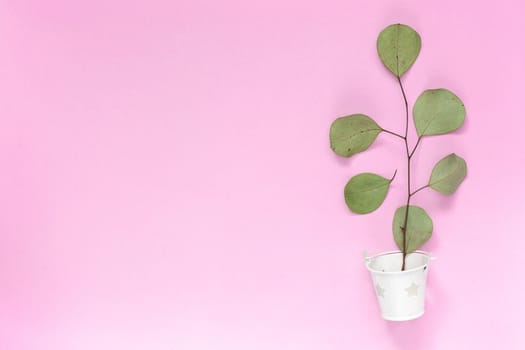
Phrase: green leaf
(398,46)
(448,174)
(419,227)
(353,134)
(438,112)
(365,192)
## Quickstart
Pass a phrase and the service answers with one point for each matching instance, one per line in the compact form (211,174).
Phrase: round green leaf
(438,112)
(448,174)
(353,134)
(398,46)
(365,192)
(419,227)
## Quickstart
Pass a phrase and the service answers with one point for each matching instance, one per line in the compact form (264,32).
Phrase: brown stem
(409,195)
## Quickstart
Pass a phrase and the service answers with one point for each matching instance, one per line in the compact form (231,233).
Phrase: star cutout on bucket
(380,291)
(412,290)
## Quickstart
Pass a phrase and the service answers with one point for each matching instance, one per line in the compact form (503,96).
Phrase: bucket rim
(369,259)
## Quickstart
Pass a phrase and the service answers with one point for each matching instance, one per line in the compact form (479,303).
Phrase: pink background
(167,181)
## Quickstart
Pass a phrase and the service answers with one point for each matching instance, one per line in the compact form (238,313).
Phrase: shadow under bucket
(401,294)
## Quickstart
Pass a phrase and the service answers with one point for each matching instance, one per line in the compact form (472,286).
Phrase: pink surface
(167,181)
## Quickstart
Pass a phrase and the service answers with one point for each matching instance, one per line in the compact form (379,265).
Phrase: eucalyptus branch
(435,112)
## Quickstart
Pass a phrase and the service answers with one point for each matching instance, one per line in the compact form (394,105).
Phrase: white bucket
(401,294)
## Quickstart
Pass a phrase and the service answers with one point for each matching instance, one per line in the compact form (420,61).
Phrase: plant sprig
(435,112)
